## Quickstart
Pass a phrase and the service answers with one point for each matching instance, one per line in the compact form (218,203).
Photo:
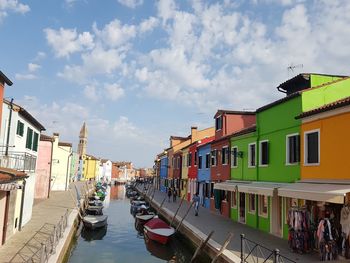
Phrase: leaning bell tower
(82,140)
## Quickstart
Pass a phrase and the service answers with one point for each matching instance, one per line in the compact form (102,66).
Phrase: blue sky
(139,71)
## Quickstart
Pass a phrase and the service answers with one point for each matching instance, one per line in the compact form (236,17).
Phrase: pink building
(43,167)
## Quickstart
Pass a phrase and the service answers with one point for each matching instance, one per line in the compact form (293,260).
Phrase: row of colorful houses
(256,166)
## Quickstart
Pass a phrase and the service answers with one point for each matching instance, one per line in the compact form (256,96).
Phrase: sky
(139,71)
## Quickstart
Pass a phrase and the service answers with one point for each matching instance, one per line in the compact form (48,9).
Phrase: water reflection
(96,234)
(121,242)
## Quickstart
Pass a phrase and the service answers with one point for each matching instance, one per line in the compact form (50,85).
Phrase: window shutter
(35,141)
(29,138)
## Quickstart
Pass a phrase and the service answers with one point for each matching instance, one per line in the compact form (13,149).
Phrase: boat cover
(157,223)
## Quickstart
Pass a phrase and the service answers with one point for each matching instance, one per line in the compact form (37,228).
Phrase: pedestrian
(174,194)
(169,194)
(196,200)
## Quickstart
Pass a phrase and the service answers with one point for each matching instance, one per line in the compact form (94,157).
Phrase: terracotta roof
(331,106)
(68,144)
(284,99)
(44,137)
(9,175)
(5,79)
(234,112)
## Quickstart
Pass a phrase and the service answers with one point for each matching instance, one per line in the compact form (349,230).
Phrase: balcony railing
(19,161)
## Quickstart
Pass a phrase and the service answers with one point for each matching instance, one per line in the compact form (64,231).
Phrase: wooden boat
(159,231)
(95,221)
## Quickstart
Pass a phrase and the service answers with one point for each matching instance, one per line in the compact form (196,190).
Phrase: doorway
(242,207)
(276,215)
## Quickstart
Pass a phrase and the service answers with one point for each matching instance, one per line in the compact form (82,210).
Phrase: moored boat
(94,221)
(159,231)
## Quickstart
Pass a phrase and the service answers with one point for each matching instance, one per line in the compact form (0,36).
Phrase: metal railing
(20,161)
(43,244)
(254,252)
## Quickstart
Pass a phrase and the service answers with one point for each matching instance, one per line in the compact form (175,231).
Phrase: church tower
(82,141)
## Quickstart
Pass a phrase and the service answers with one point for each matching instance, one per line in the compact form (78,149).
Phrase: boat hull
(96,224)
(156,237)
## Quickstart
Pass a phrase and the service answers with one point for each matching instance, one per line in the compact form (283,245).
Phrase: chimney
(194,134)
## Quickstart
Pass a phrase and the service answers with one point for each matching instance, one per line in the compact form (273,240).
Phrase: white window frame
(227,159)
(209,155)
(200,162)
(232,157)
(195,161)
(305,147)
(233,193)
(249,161)
(260,204)
(287,148)
(220,116)
(260,153)
(216,158)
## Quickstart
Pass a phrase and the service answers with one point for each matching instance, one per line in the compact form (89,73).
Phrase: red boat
(159,231)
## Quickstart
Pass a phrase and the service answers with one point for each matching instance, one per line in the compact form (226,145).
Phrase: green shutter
(35,142)
(29,138)
(22,129)
(18,132)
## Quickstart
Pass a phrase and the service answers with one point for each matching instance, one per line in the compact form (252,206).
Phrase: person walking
(169,194)
(174,194)
(196,199)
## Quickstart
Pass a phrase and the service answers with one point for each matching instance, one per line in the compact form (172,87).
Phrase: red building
(226,123)
(177,168)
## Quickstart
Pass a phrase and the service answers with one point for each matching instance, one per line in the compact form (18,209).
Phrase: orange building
(325,142)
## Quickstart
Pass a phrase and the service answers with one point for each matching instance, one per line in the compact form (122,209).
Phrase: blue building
(203,179)
(163,172)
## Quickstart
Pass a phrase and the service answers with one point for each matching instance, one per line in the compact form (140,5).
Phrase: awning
(229,185)
(332,193)
(260,188)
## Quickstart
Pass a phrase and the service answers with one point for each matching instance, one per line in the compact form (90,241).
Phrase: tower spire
(82,140)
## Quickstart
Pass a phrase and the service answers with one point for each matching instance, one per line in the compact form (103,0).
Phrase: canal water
(121,242)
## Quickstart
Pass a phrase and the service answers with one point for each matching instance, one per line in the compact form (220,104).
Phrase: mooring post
(242,248)
(188,210)
(177,210)
(227,241)
(200,247)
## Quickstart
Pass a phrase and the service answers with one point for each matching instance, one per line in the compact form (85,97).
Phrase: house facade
(185,172)
(105,170)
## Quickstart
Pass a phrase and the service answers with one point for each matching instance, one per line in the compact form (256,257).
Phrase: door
(201,192)
(276,215)
(242,207)
(3,221)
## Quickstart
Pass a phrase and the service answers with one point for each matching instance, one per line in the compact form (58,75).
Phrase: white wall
(28,198)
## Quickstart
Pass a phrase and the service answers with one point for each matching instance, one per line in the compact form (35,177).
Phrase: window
(264,153)
(213,157)
(20,128)
(29,141)
(251,155)
(234,157)
(293,149)
(207,160)
(189,159)
(311,146)
(218,123)
(211,189)
(224,155)
(263,205)
(233,199)
(251,205)
(195,158)
(200,162)
(35,142)
(207,190)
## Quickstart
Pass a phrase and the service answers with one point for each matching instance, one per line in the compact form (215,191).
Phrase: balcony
(19,161)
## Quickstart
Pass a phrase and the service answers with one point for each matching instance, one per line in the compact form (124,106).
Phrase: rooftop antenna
(292,67)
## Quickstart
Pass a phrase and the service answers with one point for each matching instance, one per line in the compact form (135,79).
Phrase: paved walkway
(208,221)
(46,213)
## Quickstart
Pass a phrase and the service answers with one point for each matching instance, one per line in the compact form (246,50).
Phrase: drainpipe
(8,129)
(50,178)
(67,170)
(22,205)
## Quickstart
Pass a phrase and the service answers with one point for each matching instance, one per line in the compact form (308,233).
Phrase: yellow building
(90,167)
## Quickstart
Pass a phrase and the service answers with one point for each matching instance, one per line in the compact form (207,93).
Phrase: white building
(19,138)
(105,170)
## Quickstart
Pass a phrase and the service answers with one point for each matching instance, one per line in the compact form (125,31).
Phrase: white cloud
(148,24)
(65,42)
(32,67)
(115,34)
(91,93)
(28,76)
(13,6)
(39,56)
(113,91)
(131,3)
(166,9)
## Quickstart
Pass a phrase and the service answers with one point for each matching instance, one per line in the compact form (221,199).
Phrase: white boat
(95,221)
(145,217)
